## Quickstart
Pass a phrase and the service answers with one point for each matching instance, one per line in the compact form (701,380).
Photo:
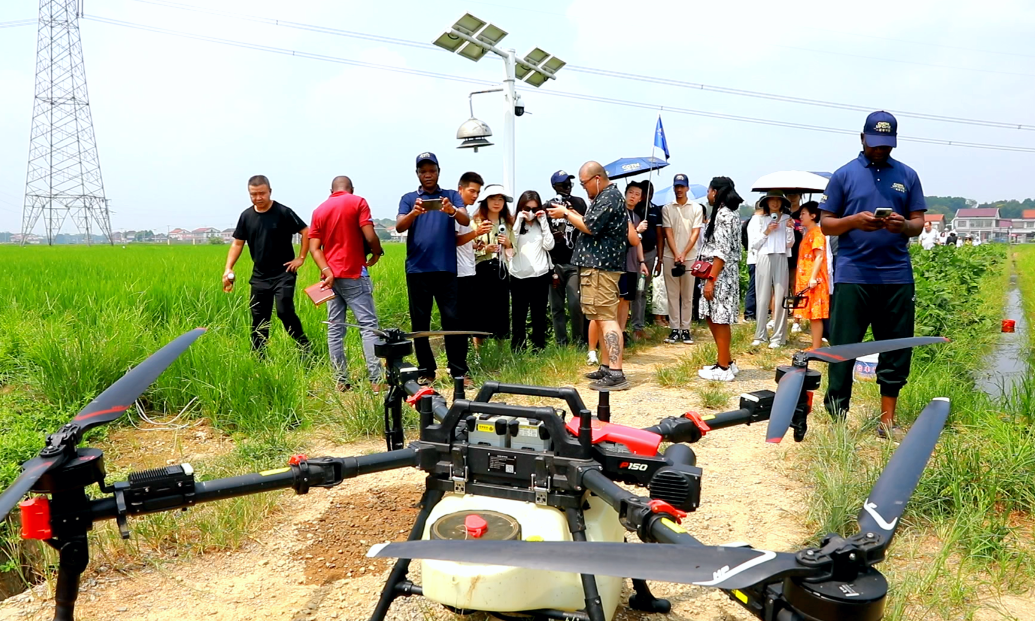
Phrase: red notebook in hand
(318,295)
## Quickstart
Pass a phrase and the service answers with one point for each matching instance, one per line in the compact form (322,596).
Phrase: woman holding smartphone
(490,264)
(771,269)
(530,271)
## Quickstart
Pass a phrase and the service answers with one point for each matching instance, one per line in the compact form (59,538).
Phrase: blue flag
(659,138)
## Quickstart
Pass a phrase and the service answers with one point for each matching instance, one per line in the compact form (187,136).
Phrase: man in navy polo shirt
(431,264)
(873,276)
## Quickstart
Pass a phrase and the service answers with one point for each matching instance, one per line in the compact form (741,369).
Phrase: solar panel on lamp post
(473,38)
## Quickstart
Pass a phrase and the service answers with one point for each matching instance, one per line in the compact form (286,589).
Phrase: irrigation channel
(1006,366)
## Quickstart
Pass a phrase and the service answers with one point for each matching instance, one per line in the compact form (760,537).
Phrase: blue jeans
(357,294)
(749,298)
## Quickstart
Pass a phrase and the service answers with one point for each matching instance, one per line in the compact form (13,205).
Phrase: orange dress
(817,299)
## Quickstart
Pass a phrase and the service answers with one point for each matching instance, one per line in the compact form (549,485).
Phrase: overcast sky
(181,124)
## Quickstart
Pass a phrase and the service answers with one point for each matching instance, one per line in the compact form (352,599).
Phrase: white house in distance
(983,223)
(1024,227)
(228,235)
(205,232)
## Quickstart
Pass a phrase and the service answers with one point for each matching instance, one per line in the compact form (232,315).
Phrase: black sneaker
(689,340)
(613,381)
(673,337)
(599,374)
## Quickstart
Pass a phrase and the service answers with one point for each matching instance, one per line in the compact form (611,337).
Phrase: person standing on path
(681,220)
(873,280)
(812,277)
(752,233)
(431,264)
(342,230)
(469,187)
(651,239)
(564,285)
(600,255)
(720,297)
(771,270)
(267,227)
(530,271)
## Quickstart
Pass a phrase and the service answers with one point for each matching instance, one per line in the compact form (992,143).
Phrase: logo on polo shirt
(898,187)
(883,127)
(822,199)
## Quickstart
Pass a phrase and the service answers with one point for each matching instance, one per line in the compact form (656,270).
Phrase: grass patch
(714,395)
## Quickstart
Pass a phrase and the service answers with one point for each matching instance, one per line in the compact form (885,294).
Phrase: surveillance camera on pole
(472,38)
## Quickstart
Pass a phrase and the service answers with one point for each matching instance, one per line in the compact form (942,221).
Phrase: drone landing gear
(644,601)
(398,585)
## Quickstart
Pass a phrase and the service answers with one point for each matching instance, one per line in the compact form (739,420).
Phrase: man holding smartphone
(431,263)
(874,204)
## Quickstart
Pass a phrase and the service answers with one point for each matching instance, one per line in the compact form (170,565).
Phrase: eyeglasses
(586,182)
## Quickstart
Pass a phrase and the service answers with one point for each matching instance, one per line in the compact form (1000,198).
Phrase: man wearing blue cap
(874,204)
(564,292)
(429,216)
(681,220)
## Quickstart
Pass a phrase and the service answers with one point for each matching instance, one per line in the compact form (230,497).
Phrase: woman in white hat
(490,263)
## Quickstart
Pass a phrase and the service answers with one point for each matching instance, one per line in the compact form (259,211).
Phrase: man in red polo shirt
(339,228)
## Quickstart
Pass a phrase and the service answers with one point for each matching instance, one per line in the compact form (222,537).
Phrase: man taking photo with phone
(874,204)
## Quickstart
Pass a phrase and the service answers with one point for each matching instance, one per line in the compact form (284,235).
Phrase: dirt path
(309,565)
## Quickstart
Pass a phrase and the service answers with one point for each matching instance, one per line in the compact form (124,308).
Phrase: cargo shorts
(598,294)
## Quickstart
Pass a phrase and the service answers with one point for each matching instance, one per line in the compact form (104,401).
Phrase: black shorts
(627,286)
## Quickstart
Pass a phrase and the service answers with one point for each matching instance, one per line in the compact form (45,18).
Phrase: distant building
(180,235)
(983,223)
(228,235)
(1024,227)
(205,233)
(396,235)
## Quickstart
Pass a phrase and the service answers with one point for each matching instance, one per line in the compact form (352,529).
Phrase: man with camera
(874,204)
(564,290)
(429,217)
(681,220)
(600,254)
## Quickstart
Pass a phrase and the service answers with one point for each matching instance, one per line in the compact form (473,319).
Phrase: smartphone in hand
(882,212)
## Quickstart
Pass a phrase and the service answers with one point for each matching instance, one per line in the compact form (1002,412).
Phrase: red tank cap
(476,525)
(35,518)
(294,460)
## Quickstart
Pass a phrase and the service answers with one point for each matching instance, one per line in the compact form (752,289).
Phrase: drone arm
(651,520)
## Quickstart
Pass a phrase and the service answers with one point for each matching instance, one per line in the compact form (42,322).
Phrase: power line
(580,96)
(18,22)
(605,72)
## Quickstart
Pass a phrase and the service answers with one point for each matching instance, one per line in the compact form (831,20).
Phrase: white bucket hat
(492,190)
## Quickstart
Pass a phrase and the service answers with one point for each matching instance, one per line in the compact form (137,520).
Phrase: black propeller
(411,335)
(108,406)
(887,500)
(720,567)
(788,391)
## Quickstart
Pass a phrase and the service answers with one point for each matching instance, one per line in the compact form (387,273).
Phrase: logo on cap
(424,156)
(883,127)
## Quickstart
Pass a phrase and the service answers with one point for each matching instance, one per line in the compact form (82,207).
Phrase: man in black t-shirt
(267,227)
(564,293)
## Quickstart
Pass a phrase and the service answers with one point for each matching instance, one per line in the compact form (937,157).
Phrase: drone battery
(529,435)
(757,402)
(488,430)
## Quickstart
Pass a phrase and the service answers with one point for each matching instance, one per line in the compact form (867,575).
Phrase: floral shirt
(606,218)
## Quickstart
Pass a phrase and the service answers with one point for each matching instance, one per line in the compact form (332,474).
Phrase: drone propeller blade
(380,333)
(844,353)
(891,492)
(788,391)
(120,396)
(724,568)
(32,470)
(426,333)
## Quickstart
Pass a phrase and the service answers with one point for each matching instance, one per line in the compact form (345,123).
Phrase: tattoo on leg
(613,341)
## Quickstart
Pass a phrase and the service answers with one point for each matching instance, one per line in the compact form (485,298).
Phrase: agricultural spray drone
(511,488)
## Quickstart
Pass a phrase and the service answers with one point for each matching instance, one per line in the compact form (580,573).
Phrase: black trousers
(279,291)
(529,295)
(889,310)
(440,287)
(493,301)
(749,297)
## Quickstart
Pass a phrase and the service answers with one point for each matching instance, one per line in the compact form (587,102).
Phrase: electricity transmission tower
(64,176)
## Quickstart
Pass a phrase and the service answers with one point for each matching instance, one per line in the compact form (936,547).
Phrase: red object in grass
(1009,325)
(476,526)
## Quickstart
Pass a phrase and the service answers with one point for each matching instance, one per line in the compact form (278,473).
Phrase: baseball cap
(427,156)
(881,130)
(560,177)
(680,179)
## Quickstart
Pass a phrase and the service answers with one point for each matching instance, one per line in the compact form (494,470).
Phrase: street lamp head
(474,134)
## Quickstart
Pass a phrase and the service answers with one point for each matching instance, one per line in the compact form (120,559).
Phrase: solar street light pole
(509,146)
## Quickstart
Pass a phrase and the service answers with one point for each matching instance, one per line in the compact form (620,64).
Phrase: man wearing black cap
(564,293)
(874,204)
(431,263)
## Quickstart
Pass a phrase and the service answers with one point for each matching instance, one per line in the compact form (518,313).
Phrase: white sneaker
(796,328)
(591,359)
(756,343)
(775,345)
(734,368)
(715,374)
(770,324)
